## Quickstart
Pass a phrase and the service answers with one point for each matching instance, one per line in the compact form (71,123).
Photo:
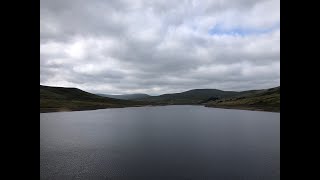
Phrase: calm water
(168,142)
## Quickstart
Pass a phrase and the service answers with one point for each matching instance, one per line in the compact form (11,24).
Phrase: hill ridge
(69,99)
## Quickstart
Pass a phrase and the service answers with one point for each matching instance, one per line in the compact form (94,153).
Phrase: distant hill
(265,100)
(195,96)
(126,96)
(68,99)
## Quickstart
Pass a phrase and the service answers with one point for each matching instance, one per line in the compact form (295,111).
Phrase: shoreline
(51,110)
(262,109)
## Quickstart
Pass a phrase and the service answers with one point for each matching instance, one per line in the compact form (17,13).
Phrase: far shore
(253,108)
(264,109)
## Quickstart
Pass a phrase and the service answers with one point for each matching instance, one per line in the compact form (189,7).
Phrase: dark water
(168,142)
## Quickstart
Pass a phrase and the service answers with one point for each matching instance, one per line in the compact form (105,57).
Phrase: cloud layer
(156,46)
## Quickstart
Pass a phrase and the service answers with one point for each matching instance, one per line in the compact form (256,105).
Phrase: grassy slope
(68,99)
(264,100)
(195,96)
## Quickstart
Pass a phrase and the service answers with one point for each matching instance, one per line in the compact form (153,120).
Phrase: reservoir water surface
(163,142)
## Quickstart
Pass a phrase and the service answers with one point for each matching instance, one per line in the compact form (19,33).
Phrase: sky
(159,46)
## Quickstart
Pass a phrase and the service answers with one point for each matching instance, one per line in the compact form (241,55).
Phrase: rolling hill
(69,99)
(195,96)
(264,100)
(126,96)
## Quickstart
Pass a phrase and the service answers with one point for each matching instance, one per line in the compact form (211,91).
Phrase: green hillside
(69,99)
(264,100)
(195,96)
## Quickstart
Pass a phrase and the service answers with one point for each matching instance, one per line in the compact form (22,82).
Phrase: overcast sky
(158,46)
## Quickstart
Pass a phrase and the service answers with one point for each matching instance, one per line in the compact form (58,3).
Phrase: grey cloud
(123,46)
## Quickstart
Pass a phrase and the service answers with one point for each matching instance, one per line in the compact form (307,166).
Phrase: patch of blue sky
(241,31)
